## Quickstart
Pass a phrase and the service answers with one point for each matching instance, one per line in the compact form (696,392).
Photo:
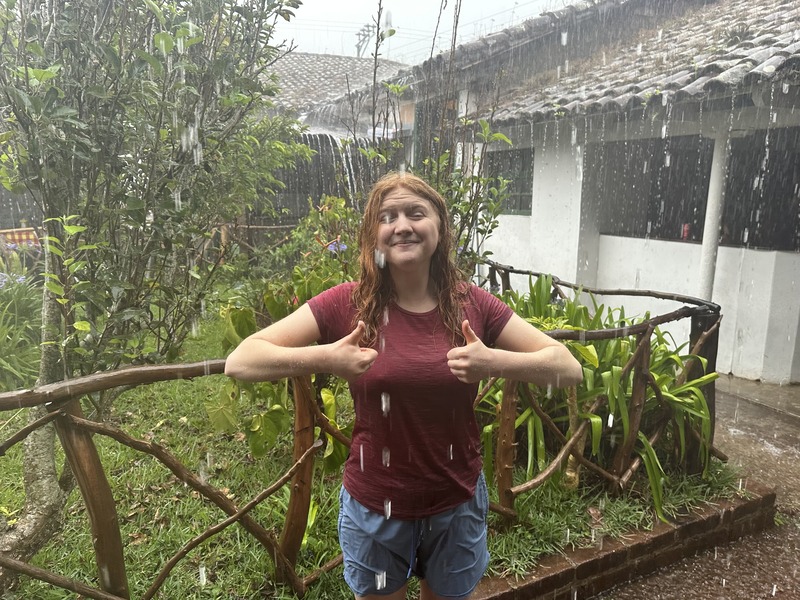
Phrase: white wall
(548,241)
(758,291)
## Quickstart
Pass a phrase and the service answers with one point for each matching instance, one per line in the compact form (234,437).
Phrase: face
(408,229)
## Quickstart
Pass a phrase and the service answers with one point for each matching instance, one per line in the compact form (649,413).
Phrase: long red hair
(375,288)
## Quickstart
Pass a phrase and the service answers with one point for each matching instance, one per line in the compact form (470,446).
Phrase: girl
(413,339)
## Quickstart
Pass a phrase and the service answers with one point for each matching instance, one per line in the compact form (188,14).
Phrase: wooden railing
(62,401)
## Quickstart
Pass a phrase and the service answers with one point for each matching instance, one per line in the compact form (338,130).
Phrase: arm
(523,353)
(284,349)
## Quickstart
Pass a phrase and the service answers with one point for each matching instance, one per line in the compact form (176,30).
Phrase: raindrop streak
(385,457)
(361,453)
(385,404)
(450,452)
(610,420)
(380,580)
(380,259)
(387,508)
(202,574)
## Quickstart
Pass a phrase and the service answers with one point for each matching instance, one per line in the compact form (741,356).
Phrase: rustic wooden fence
(62,402)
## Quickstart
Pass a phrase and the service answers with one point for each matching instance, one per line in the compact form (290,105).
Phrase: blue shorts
(448,550)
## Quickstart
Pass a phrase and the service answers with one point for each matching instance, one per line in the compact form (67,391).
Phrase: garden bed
(585,572)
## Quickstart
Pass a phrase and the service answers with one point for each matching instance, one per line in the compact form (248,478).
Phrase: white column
(714,204)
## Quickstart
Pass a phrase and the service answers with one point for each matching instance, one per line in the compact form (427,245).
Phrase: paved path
(758,427)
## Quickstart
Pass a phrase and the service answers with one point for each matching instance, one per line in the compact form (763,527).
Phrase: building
(656,146)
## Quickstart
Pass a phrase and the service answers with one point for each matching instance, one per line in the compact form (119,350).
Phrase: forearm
(259,360)
(550,366)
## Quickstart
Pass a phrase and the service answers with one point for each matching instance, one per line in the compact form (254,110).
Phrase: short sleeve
(333,309)
(494,313)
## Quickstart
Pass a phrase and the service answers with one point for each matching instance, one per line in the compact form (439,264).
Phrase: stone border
(585,572)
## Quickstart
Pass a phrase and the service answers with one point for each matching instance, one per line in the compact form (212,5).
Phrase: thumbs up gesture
(349,360)
(471,362)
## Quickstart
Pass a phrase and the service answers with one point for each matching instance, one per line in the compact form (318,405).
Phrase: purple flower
(337,246)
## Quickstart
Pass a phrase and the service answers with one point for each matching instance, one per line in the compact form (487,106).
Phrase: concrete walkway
(782,398)
(758,427)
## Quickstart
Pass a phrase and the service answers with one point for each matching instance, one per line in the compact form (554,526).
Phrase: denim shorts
(448,549)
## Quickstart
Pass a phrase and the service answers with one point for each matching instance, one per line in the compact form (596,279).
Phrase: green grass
(159,514)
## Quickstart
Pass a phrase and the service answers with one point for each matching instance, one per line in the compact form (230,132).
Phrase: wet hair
(375,288)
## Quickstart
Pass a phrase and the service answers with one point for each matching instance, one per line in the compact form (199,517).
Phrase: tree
(138,129)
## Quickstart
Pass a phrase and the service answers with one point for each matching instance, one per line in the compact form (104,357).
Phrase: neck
(414,292)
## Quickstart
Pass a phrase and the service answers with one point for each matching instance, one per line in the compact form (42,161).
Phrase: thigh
(453,555)
(376,550)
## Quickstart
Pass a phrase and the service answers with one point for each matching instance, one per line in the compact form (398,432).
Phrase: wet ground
(758,427)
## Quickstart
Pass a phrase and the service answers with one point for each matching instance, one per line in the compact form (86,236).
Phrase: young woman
(413,340)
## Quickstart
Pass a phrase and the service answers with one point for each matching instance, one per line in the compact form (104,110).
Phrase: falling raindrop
(380,580)
(385,457)
(450,452)
(381,343)
(380,259)
(387,508)
(385,404)
(202,574)
(563,38)
(549,391)
(361,456)
(610,420)
(386,316)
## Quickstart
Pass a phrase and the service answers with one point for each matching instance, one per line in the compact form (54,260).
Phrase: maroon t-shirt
(416,445)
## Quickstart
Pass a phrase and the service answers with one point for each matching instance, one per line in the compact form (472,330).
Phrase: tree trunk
(43,514)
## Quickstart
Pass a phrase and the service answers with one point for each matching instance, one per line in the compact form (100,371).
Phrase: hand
(349,360)
(471,362)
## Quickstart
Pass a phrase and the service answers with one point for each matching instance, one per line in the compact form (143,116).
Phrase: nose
(402,224)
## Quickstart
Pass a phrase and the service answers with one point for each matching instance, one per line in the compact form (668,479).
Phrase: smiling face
(408,229)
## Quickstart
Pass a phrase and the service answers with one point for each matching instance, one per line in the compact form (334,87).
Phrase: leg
(425,593)
(398,595)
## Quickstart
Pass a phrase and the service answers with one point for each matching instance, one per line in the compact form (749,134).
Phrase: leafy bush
(20,323)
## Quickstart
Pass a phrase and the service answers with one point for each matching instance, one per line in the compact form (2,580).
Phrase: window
(650,188)
(517,166)
(762,194)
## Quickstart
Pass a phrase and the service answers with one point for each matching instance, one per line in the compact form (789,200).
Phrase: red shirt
(416,446)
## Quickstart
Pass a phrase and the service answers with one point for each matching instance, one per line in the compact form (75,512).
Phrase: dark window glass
(515,165)
(650,188)
(762,194)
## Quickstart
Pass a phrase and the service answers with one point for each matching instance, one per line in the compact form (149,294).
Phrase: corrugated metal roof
(718,49)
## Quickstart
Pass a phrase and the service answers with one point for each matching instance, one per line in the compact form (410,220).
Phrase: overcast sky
(333,26)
